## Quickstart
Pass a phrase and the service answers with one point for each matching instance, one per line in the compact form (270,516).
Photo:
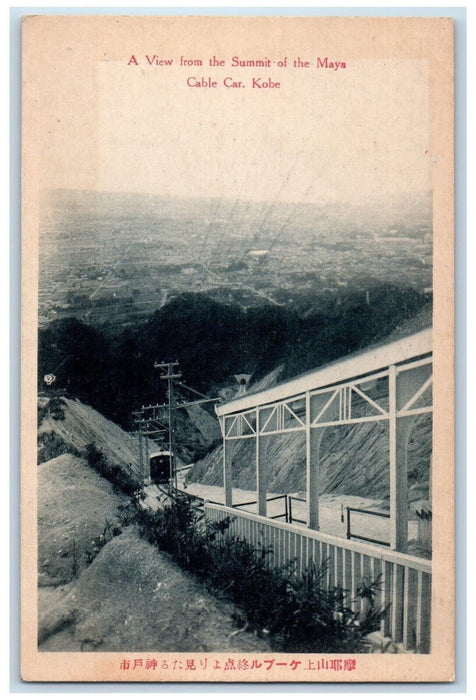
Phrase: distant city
(109,258)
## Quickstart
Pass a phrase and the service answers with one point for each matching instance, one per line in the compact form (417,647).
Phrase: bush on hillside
(110,530)
(53,407)
(118,476)
(51,445)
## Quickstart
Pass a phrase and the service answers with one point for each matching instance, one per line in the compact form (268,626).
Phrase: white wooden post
(261,468)
(396,534)
(227,458)
(399,433)
(313,442)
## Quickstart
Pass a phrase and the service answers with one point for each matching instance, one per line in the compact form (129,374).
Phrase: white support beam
(399,433)
(228,449)
(221,422)
(313,443)
(395,529)
(309,474)
(261,468)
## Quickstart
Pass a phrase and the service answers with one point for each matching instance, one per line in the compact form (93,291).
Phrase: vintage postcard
(237,349)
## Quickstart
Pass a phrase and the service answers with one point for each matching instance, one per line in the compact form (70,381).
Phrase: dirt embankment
(68,425)
(124,595)
(75,506)
(133,598)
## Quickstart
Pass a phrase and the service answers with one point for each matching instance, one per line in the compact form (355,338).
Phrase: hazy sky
(327,135)
(347,135)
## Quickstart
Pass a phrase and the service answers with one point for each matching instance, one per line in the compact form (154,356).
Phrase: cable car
(159,463)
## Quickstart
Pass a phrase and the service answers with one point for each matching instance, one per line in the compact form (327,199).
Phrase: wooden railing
(405,580)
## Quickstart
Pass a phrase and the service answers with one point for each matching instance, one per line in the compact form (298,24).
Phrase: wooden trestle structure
(391,383)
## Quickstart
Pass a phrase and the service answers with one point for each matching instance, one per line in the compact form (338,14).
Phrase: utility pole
(137,421)
(150,420)
(170,376)
(141,456)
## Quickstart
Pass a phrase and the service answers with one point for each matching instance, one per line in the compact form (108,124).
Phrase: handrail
(275,498)
(284,515)
(247,503)
(298,498)
(349,534)
(251,503)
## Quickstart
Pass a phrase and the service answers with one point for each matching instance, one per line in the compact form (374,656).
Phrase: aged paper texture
(265,198)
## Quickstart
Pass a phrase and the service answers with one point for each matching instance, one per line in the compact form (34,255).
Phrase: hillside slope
(76,425)
(68,425)
(134,598)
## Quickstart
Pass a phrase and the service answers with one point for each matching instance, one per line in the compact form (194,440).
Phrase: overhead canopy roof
(374,359)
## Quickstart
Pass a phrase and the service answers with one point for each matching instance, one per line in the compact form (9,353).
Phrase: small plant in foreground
(110,530)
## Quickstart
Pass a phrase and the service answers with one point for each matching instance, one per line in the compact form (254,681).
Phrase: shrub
(242,573)
(42,411)
(51,445)
(56,408)
(118,476)
(314,613)
(176,529)
(110,530)
(53,407)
